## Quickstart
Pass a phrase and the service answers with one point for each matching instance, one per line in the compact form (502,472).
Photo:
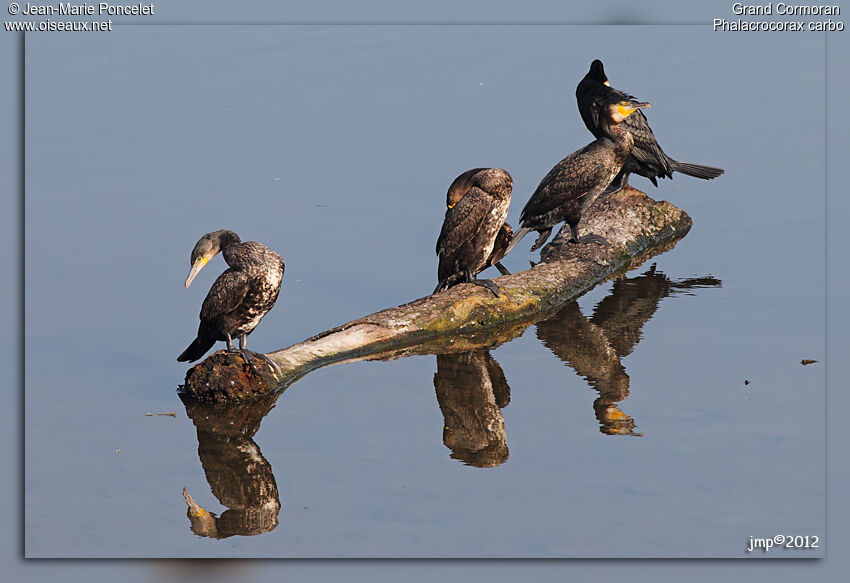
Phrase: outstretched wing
(463,220)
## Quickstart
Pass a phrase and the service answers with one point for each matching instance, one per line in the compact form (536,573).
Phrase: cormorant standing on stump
(239,298)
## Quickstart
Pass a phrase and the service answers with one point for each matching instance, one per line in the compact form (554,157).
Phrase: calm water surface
(620,427)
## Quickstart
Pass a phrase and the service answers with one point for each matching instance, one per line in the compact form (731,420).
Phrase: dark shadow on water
(593,347)
(238,474)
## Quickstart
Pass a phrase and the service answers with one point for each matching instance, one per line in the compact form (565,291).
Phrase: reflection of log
(636,225)
(238,474)
(471,388)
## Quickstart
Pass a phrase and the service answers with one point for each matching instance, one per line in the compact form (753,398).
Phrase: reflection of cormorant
(584,347)
(238,474)
(471,389)
(594,347)
(472,226)
(569,189)
(240,297)
(647,157)
(634,300)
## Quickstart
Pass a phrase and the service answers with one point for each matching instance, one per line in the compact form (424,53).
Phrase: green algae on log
(637,227)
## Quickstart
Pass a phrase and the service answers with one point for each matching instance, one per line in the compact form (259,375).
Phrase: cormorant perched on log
(461,185)
(239,298)
(471,227)
(647,157)
(575,182)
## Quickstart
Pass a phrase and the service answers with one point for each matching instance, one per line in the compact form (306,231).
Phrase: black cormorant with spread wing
(647,157)
(239,298)
(575,182)
(477,203)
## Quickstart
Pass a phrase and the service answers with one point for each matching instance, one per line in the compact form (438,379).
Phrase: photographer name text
(85,9)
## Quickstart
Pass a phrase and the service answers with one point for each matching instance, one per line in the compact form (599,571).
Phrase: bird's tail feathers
(196,350)
(697,170)
(517,238)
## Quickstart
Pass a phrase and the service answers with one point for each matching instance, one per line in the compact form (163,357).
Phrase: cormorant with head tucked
(477,203)
(461,185)
(647,157)
(575,182)
(239,298)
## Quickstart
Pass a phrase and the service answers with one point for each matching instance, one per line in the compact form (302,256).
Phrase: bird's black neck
(227,239)
(228,243)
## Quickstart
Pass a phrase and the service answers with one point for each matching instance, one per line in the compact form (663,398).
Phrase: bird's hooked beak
(626,108)
(196,268)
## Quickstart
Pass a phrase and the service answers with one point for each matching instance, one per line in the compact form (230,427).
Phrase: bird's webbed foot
(270,362)
(486,283)
(251,357)
(502,269)
(591,238)
(448,282)
(248,357)
(541,238)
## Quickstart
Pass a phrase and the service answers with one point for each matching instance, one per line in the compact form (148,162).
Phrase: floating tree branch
(466,316)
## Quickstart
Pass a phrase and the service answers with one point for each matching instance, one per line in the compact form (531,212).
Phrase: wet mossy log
(636,225)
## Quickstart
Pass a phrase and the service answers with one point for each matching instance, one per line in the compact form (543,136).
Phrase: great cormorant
(461,185)
(575,182)
(239,298)
(647,157)
(471,227)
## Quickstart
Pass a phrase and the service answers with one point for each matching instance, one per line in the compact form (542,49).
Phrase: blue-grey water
(334,145)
